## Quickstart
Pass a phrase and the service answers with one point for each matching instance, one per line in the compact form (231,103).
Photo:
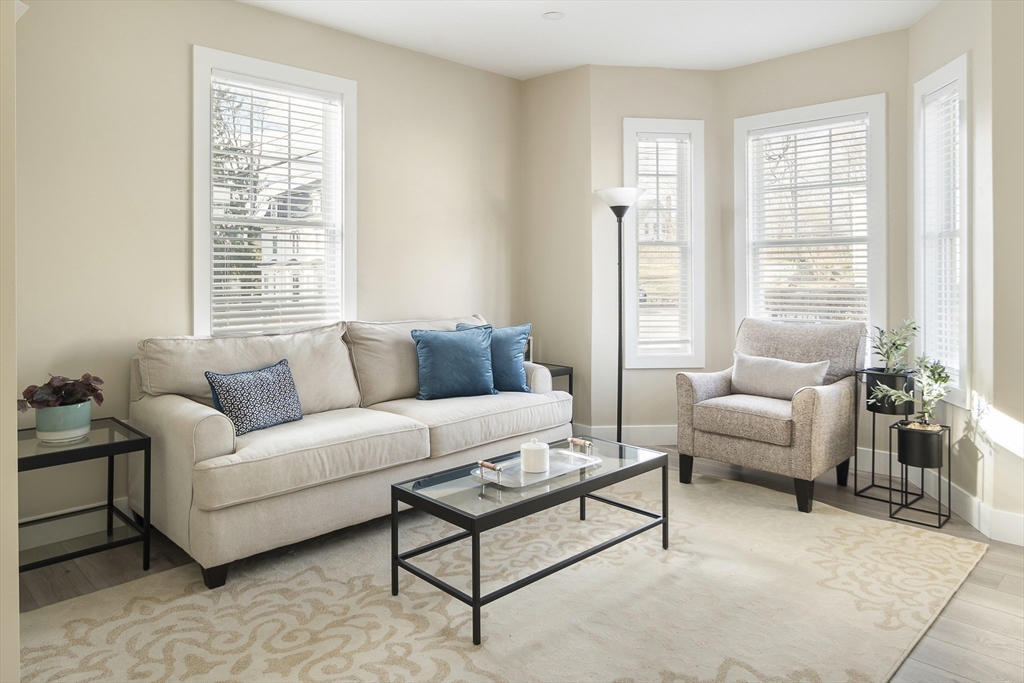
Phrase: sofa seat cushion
(466,421)
(757,418)
(316,450)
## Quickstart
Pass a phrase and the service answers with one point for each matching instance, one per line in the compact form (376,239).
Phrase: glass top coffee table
(472,499)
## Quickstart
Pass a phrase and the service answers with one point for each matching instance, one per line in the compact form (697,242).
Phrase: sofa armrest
(823,419)
(694,387)
(183,433)
(538,378)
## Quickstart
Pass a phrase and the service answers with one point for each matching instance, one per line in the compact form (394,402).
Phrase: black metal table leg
(110,495)
(146,495)
(394,543)
(664,507)
(476,586)
(583,507)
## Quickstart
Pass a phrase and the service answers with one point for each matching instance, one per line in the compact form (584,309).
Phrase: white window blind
(663,244)
(807,222)
(942,223)
(275,206)
(941,325)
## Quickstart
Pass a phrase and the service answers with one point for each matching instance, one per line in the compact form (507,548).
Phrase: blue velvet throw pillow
(256,399)
(454,363)
(508,353)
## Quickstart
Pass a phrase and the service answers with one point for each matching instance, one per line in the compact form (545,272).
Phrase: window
(664,243)
(941,221)
(810,217)
(274,196)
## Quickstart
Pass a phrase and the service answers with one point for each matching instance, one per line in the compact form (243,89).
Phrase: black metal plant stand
(903,500)
(866,492)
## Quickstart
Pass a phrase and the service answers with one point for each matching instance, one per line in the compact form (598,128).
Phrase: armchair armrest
(183,433)
(694,387)
(823,419)
(538,378)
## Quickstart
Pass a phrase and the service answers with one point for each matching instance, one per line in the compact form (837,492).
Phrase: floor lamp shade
(619,199)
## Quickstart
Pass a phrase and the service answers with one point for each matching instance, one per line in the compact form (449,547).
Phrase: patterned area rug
(750,590)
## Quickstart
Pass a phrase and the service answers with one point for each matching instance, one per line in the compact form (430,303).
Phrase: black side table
(82,532)
(560,371)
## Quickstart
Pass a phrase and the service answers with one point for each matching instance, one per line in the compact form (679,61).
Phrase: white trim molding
(871,106)
(648,436)
(952,74)
(204,62)
(999,525)
(693,132)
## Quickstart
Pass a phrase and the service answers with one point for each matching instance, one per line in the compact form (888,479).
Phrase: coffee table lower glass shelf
(462,498)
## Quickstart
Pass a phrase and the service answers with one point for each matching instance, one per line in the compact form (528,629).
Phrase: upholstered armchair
(802,438)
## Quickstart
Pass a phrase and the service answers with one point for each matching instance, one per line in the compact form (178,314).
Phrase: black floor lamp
(619,199)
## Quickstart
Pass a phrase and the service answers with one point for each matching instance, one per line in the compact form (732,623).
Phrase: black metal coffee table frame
(474,526)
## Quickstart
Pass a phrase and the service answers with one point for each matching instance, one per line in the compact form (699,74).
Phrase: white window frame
(695,129)
(873,106)
(954,72)
(204,62)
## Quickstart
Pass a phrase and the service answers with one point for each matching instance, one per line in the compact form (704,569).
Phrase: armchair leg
(804,494)
(685,469)
(215,577)
(842,472)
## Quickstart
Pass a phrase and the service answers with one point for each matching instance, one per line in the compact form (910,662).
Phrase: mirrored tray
(560,462)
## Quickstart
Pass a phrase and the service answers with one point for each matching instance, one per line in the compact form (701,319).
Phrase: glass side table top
(104,431)
(469,494)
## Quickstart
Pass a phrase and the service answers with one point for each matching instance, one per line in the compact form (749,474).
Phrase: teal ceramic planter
(63,423)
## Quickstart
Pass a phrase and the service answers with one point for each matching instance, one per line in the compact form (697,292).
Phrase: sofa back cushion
(319,361)
(384,355)
(842,344)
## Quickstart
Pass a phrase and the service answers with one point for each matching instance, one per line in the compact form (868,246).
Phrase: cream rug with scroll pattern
(750,590)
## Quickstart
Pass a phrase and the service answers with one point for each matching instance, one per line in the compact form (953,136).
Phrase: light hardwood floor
(978,637)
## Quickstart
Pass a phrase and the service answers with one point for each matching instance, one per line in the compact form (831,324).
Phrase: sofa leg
(804,494)
(685,469)
(215,577)
(843,472)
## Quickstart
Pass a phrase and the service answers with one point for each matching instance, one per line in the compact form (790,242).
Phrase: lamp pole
(620,212)
(619,199)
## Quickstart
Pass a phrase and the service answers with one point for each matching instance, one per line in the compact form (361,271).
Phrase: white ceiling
(509,36)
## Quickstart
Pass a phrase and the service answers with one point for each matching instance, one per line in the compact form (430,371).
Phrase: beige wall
(616,93)
(10,659)
(1008,208)
(105,184)
(556,241)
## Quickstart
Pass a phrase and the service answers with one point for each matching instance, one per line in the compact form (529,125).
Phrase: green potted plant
(919,441)
(891,346)
(63,406)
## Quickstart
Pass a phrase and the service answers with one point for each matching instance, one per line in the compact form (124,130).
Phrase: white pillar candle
(534,456)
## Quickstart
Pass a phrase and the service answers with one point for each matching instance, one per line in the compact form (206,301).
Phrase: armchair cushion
(774,377)
(758,418)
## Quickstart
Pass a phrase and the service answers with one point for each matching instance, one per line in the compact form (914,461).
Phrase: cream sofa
(223,497)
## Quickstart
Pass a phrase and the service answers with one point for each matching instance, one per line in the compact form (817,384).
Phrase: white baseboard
(999,525)
(36,535)
(638,435)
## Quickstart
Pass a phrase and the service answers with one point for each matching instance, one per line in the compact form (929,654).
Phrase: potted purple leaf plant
(63,406)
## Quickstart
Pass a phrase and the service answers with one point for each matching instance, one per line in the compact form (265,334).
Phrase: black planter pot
(893,380)
(919,447)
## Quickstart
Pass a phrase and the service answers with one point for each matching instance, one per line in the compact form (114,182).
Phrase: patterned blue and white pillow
(256,399)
